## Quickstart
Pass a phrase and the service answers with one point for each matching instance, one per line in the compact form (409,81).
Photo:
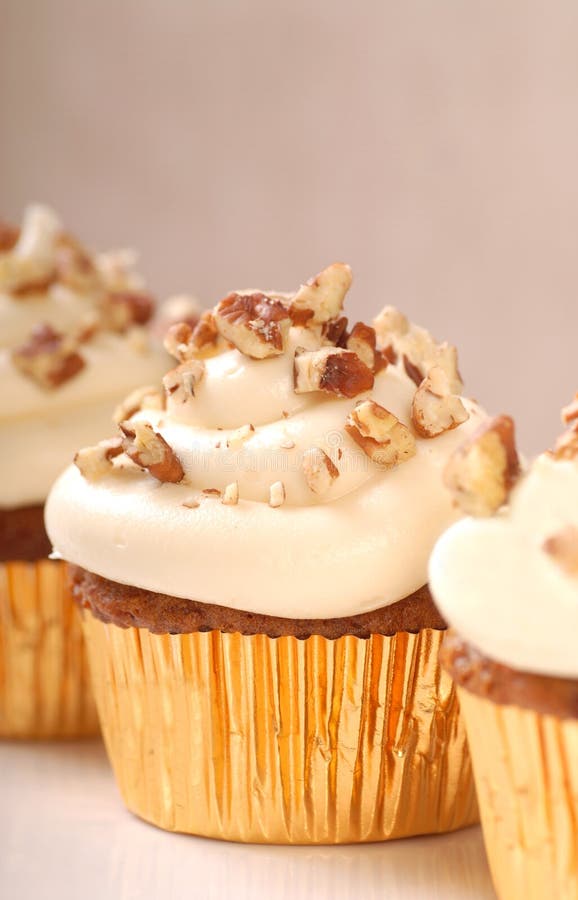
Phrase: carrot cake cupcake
(506,578)
(250,552)
(72,342)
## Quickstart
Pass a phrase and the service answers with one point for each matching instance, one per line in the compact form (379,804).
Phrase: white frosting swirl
(40,430)
(363,545)
(494,582)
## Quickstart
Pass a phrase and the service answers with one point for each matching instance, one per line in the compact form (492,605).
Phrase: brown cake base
(22,534)
(128,606)
(480,675)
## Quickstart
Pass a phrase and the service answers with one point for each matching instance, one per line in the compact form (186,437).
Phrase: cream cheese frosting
(42,426)
(497,582)
(360,543)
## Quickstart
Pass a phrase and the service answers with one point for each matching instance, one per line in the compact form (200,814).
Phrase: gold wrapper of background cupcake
(251,555)
(72,342)
(507,579)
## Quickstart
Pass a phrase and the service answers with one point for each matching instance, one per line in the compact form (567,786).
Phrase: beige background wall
(432,144)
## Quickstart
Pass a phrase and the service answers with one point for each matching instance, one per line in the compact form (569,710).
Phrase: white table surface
(64,834)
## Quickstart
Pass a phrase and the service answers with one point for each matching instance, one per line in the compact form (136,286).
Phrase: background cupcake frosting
(72,342)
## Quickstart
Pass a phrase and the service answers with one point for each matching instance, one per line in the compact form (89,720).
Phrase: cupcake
(506,579)
(72,342)
(250,554)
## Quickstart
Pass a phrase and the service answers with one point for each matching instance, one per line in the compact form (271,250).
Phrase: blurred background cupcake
(73,341)
(251,553)
(506,578)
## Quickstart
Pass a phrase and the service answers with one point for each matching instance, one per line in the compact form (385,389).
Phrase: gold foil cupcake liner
(250,738)
(526,770)
(44,680)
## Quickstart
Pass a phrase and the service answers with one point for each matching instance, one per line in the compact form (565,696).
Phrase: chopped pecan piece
(321,299)
(435,409)
(48,357)
(563,548)
(380,434)
(238,437)
(567,445)
(362,341)
(149,450)
(482,471)
(122,309)
(96,462)
(9,235)
(23,275)
(320,471)
(335,331)
(148,397)
(570,412)
(333,370)
(230,496)
(74,266)
(277,494)
(180,383)
(416,347)
(255,324)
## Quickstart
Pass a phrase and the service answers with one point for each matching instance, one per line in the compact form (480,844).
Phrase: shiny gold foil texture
(44,679)
(526,771)
(251,738)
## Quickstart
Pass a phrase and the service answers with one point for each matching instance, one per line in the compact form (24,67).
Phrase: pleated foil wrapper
(526,770)
(255,739)
(44,678)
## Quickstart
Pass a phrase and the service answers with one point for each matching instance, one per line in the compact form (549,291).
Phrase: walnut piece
(230,495)
(277,494)
(148,397)
(180,383)
(255,324)
(435,409)
(482,471)
(149,450)
(334,331)
(321,299)
(563,548)
(122,309)
(48,357)
(362,341)
(380,434)
(333,370)
(320,472)
(96,462)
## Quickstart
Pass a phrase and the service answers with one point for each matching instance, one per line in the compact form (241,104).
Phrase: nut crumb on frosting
(435,409)
(238,437)
(380,434)
(482,471)
(320,472)
(362,341)
(230,495)
(277,494)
